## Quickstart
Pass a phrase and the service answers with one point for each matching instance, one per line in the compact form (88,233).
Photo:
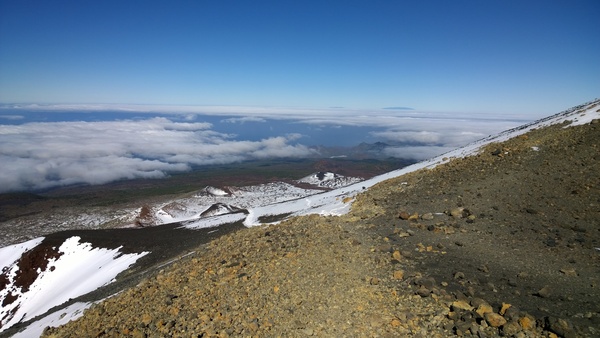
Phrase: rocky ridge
(502,243)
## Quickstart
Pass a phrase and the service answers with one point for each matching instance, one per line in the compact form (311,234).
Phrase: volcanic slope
(504,242)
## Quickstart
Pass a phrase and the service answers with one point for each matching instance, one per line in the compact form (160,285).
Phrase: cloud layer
(44,155)
(38,155)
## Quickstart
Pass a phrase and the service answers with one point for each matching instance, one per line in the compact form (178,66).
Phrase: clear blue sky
(536,57)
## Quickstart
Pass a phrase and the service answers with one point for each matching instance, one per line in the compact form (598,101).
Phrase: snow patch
(78,270)
(55,319)
(327,179)
(10,254)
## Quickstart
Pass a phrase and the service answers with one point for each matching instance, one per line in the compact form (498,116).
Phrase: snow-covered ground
(329,180)
(213,201)
(72,270)
(80,268)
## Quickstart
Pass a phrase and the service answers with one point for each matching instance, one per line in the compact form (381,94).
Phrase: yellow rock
(527,323)
(146,319)
(483,309)
(395,322)
(457,212)
(505,307)
(461,304)
(494,319)
(398,274)
(397,255)
(276,289)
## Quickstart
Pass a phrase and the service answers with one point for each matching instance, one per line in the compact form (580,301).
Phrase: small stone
(475,302)
(544,292)
(374,281)
(308,331)
(531,211)
(403,215)
(569,271)
(505,306)
(398,274)
(423,292)
(494,319)
(413,217)
(404,234)
(395,322)
(427,216)
(428,283)
(454,315)
(482,309)
(459,275)
(512,313)
(384,248)
(462,328)
(527,322)
(457,212)
(560,326)
(511,328)
(461,305)
(146,319)
(397,255)
(484,268)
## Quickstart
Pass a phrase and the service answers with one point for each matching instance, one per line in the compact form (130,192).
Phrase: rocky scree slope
(502,243)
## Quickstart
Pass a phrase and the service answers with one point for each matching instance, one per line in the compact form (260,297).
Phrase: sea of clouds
(152,141)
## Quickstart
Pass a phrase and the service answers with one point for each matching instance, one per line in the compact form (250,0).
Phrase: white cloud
(43,155)
(446,132)
(12,117)
(244,119)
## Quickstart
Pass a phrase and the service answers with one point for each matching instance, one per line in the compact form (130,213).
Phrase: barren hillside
(505,242)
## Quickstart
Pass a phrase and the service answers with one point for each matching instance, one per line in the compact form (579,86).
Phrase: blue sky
(514,57)
(97,91)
